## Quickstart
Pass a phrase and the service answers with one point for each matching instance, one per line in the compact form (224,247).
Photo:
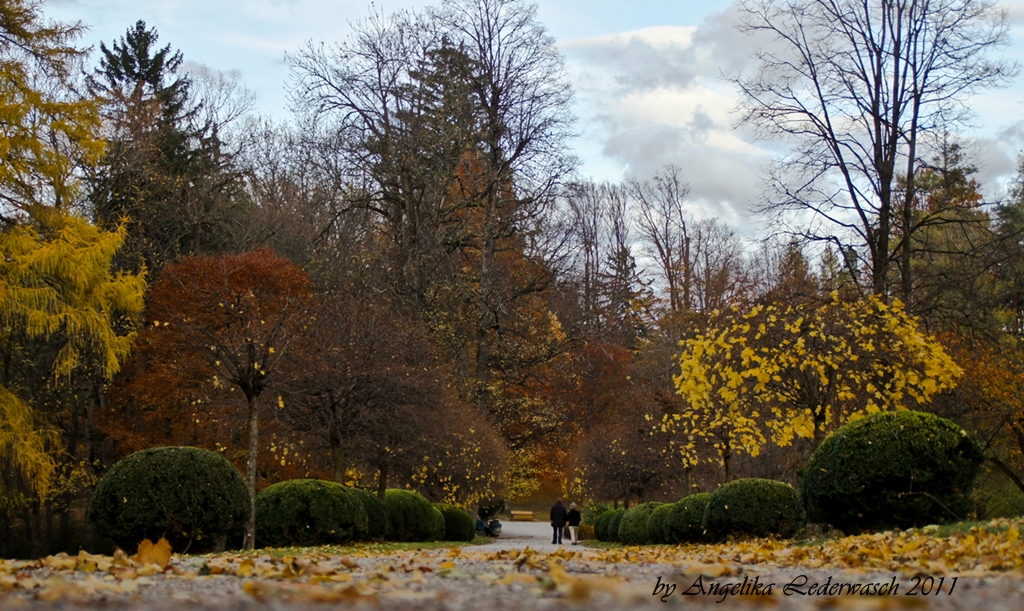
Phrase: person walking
(558,515)
(573,520)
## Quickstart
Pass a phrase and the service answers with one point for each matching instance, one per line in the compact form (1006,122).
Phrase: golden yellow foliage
(47,129)
(780,372)
(55,277)
(56,282)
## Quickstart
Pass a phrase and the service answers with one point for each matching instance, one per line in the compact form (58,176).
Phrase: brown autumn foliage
(170,393)
(371,394)
(988,402)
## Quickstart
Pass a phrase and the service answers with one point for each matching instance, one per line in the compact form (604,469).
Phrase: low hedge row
(889,469)
(633,527)
(411,517)
(306,512)
(458,525)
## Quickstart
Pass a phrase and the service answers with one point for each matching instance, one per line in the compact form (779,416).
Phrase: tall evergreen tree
(166,171)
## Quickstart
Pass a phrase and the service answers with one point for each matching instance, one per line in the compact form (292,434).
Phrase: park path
(497,575)
(519,535)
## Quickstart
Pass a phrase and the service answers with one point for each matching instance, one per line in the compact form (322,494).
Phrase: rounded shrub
(376,518)
(656,524)
(756,507)
(613,525)
(192,497)
(684,522)
(602,527)
(458,525)
(309,512)
(633,527)
(892,469)
(411,517)
(437,528)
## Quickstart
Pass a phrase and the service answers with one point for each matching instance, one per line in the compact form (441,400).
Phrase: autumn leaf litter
(988,560)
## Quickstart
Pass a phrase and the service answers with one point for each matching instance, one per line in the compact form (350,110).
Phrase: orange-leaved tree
(239,314)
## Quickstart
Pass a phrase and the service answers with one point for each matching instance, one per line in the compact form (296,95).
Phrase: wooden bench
(526,516)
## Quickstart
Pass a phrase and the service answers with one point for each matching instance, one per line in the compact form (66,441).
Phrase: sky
(647,78)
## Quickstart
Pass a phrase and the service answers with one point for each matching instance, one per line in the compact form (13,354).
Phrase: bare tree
(662,221)
(370,386)
(721,269)
(855,85)
(459,118)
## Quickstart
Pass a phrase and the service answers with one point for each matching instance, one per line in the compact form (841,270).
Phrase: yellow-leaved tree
(56,283)
(776,372)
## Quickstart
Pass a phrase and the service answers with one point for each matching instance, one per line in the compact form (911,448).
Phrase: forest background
(407,282)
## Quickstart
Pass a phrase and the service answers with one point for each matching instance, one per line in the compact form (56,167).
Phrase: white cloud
(656,96)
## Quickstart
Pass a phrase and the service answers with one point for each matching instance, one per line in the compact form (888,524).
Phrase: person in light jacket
(573,520)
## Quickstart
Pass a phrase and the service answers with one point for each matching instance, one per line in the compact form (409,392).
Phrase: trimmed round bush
(458,525)
(601,526)
(892,469)
(602,530)
(192,497)
(656,524)
(411,517)
(633,527)
(376,518)
(755,507)
(309,512)
(684,522)
(613,524)
(437,525)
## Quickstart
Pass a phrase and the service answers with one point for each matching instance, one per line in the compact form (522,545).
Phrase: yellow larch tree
(55,278)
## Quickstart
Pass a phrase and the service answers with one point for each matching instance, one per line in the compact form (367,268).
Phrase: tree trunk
(5,535)
(819,429)
(382,482)
(727,462)
(687,274)
(1007,471)
(338,458)
(250,470)
(485,321)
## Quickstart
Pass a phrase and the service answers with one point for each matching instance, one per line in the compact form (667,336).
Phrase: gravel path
(520,570)
(519,535)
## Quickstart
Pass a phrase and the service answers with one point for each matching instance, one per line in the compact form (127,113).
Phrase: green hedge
(411,517)
(309,512)
(892,469)
(188,495)
(437,529)
(756,507)
(656,524)
(458,525)
(684,523)
(633,527)
(613,525)
(592,511)
(376,518)
(602,529)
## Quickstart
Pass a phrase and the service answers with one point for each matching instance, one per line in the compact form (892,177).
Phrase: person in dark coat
(573,520)
(558,515)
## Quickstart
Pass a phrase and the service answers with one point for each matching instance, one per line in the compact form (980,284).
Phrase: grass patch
(363,548)
(600,544)
(936,531)
(942,531)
